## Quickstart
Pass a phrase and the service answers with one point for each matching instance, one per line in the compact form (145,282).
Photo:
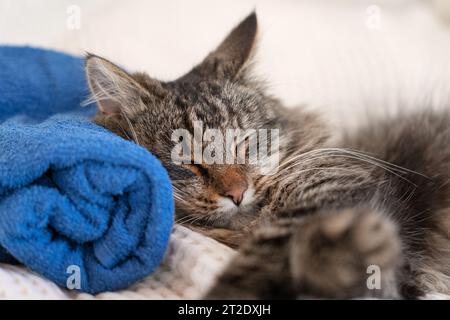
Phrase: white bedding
(346,58)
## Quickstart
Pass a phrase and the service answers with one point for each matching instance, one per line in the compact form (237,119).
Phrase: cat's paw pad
(334,254)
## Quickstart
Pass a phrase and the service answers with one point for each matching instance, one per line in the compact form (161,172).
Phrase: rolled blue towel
(75,200)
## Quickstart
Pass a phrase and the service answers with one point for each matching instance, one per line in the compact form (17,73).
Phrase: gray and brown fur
(380,196)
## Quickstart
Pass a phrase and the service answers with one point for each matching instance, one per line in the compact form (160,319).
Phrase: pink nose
(236,193)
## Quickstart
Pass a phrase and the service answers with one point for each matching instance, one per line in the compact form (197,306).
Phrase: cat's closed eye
(177,172)
(197,169)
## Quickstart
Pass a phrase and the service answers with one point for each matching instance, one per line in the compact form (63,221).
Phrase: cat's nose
(236,193)
(231,182)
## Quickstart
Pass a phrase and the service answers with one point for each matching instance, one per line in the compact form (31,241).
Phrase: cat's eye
(198,170)
(180,173)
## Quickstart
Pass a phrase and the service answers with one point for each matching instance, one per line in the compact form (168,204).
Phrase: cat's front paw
(346,254)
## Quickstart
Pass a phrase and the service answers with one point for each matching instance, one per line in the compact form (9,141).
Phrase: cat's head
(219,93)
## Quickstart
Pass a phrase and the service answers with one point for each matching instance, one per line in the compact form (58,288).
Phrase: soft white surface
(331,55)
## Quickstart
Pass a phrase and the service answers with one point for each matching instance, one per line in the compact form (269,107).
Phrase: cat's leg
(351,253)
(344,254)
(260,270)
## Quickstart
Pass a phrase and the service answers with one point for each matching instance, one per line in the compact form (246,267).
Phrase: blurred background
(350,59)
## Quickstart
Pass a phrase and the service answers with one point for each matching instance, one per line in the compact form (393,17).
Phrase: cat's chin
(231,216)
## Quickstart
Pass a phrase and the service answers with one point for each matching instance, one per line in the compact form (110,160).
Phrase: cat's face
(218,94)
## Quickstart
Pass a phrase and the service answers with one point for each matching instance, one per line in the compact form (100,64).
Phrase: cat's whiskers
(102,95)
(335,152)
(283,178)
(188,219)
(133,131)
(212,219)
(176,191)
(120,126)
(392,165)
(355,153)
(286,173)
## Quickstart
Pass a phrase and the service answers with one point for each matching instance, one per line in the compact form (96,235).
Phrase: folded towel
(75,200)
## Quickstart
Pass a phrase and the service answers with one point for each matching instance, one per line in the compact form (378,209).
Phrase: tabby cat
(335,212)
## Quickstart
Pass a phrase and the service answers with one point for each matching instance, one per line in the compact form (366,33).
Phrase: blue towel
(75,200)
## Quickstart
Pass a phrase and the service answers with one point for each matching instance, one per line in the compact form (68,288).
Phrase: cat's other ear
(116,91)
(230,57)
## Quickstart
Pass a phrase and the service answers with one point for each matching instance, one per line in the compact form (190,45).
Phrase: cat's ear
(115,91)
(232,54)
